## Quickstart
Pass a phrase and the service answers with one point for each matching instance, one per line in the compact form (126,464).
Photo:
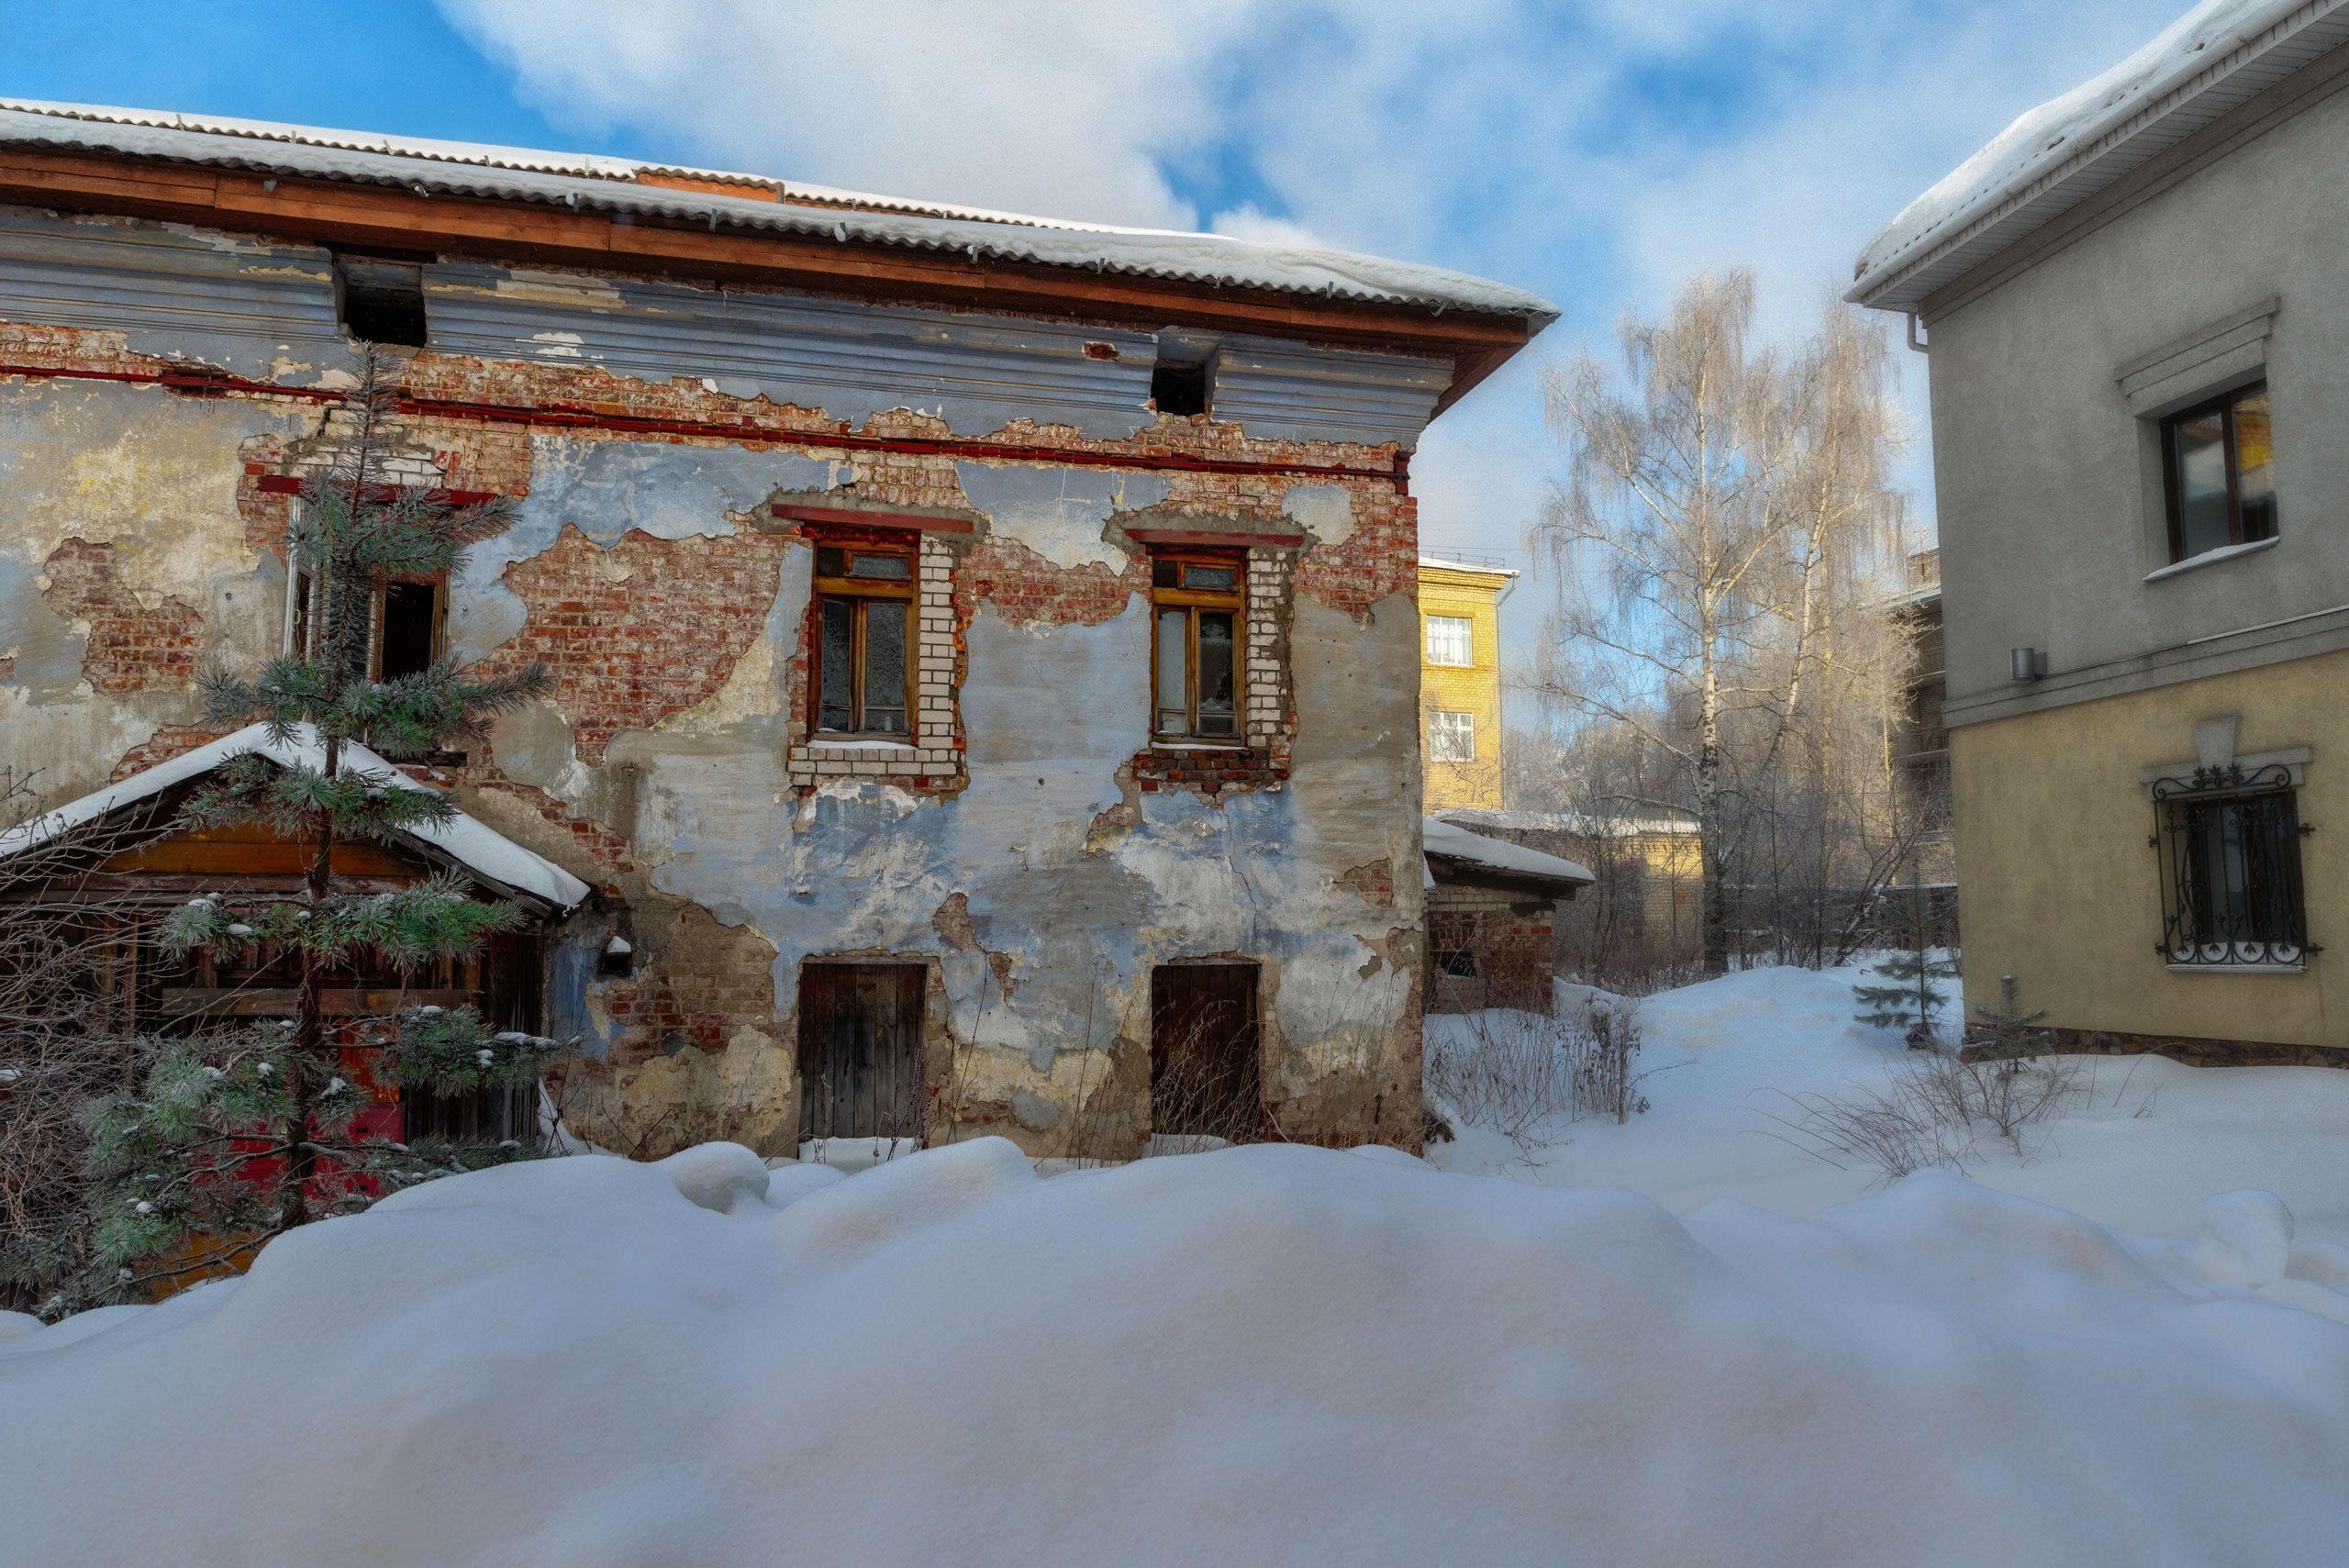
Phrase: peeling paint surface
(1038,853)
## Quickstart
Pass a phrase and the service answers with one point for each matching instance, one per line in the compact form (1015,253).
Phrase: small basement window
(864,645)
(1195,654)
(2218,467)
(381,300)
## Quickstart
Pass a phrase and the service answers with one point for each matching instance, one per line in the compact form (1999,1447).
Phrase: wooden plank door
(1205,1077)
(860,1050)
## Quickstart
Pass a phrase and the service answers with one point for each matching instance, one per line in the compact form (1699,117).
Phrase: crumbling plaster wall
(1041,881)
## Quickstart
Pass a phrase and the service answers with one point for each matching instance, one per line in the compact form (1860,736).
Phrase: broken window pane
(1174,655)
(884,666)
(831,560)
(837,663)
(1219,713)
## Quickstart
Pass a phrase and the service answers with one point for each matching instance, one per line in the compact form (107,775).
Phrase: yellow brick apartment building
(1460,682)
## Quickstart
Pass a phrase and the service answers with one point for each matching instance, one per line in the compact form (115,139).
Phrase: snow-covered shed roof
(1474,852)
(480,849)
(1584,824)
(2059,154)
(742,201)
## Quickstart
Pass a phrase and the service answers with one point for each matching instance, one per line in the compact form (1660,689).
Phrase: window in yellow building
(1451,640)
(1452,737)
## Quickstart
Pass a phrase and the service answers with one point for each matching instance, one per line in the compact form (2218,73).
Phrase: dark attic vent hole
(381,300)
(1179,388)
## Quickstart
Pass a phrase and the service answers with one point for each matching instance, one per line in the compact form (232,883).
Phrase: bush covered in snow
(1269,1355)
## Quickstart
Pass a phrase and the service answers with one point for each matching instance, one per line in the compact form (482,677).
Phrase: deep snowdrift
(1260,1355)
(2141,1152)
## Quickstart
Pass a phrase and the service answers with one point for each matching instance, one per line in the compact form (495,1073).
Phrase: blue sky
(1598,150)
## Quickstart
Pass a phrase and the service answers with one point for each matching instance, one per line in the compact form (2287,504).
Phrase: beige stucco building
(2136,313)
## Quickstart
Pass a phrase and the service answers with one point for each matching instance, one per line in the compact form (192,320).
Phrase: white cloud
(1537,142)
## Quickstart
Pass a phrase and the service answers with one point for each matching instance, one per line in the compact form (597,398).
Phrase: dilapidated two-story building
(982,648)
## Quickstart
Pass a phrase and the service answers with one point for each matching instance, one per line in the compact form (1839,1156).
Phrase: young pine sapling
(236,1137)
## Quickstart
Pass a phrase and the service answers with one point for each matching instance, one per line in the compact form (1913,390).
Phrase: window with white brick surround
(881,660)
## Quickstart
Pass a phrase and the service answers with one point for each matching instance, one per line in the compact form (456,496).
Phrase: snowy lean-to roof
(1448,841)
(2059,154)
(622,185)
(478,847)
(1584,823)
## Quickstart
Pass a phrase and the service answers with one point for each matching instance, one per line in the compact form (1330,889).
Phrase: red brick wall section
(1378,560)
(132,648)
(1026,589)
(642,630)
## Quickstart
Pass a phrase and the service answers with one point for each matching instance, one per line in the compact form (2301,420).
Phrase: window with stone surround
(2218,467)
(1197,679)
(882,659)
(1452,737)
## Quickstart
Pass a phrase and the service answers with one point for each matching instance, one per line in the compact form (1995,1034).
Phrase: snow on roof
(1445,564)
(2057,155)
(1591,825)
(478,847)
(1448,841)
(624,185)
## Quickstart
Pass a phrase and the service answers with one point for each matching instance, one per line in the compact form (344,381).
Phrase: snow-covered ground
(1268,1354)
(2149,1141)
(1265,1354)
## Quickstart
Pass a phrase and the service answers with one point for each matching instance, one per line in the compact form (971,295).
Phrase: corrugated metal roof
(618,184)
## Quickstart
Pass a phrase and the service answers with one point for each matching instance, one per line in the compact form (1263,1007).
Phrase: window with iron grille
(1452,737)
(2230,842)
(865,639)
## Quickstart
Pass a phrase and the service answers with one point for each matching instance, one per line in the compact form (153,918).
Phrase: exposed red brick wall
(1378,560)
(162,747)
(644,629)
(132,648)
(1026,589)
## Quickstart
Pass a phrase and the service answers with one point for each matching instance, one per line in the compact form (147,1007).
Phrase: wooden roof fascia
(337,212)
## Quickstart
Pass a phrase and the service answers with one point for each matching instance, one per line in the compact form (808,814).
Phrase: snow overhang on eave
(2060,154)
(489,857)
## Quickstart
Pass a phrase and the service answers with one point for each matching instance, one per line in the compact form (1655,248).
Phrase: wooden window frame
(2223,404)
(862,592)
(302,628)
(1233,601)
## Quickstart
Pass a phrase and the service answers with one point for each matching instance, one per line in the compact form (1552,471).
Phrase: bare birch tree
(1720,537)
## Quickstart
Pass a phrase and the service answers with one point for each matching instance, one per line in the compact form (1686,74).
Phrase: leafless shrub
(1520,1074)
(1934,1109)
(66,1022)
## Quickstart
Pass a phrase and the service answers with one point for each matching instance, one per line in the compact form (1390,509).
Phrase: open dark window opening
(1205,1075)
(1196,672)
(2219,473)
(404,621)
(863,643)
(380,299)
